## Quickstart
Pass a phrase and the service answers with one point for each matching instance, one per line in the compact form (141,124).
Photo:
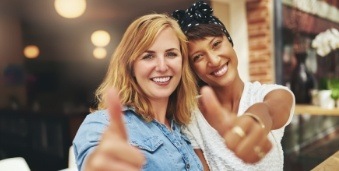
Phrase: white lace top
(218,156)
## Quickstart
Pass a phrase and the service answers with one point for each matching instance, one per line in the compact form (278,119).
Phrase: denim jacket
(162,148)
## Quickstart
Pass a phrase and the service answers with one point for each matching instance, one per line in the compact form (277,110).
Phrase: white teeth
(161,79)
(221,71)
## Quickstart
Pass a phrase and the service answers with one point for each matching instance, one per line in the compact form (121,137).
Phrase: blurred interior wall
(233,15)
(12,78)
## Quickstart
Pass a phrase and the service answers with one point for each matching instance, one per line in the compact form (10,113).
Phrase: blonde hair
(138,37)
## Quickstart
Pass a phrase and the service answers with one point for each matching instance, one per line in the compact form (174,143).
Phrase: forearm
(275,110)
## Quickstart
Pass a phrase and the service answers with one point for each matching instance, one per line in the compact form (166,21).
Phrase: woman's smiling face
(158,70)
(213,60)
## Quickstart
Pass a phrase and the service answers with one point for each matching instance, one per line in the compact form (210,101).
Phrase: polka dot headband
(199,13)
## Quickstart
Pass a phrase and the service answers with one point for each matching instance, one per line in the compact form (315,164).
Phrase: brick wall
(261,67)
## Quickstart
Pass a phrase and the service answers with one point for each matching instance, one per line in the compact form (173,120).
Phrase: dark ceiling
(66,68)
(61,38)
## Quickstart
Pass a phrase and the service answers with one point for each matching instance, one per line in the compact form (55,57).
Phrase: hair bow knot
(199,13)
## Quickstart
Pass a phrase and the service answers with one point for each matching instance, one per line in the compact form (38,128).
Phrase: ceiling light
(70,8)
(99,53)
(100,38)
(31,51)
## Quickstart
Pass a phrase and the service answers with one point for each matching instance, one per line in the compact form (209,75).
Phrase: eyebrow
(168,50)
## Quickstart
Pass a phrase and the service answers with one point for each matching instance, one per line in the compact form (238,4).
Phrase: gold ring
(239,131)
(259,152)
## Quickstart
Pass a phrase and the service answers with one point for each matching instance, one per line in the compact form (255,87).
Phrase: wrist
(256,118)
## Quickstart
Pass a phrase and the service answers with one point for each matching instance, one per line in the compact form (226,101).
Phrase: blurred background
(65,72)
(54,54)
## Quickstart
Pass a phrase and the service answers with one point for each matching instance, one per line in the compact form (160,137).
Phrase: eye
(171,54)
(216,44)
(197,57)
(147,56)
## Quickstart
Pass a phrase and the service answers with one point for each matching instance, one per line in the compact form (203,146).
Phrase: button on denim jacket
(164,149)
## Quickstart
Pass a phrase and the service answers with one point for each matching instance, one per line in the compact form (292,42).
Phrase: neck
(229,96)
(159,109)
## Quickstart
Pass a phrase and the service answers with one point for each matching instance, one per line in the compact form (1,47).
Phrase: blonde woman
(156,95)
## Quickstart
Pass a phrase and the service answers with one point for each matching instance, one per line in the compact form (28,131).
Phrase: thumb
(217,116)
(115,111)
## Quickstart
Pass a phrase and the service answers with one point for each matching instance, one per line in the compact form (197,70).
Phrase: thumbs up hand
(114,152)
(242,135)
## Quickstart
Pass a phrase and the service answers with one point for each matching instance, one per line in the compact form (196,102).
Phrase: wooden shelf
(315,110)
(331,163)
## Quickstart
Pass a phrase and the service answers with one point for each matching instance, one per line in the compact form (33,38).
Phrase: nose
(161,65)
(213,59)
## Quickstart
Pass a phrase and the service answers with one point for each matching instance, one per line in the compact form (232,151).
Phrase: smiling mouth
(220,71)
(161,80)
